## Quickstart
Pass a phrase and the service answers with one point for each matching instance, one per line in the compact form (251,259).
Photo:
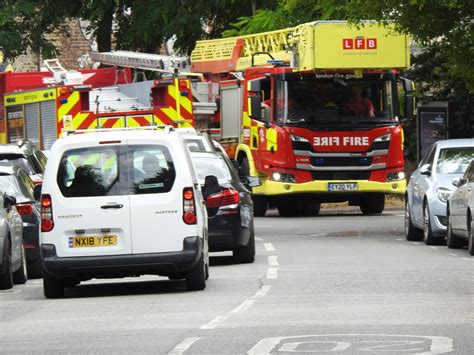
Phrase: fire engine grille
(341,161)
(340,175)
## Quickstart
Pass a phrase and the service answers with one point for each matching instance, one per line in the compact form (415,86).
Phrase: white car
(460,212)
(122,203)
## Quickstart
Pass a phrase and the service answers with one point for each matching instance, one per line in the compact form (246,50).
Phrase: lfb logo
(359,43)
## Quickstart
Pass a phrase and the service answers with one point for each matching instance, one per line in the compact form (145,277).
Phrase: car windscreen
(454,160)
(211,164)
(11,185)
(18,160)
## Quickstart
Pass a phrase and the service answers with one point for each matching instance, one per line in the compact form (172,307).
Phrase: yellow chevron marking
(171,113)
(157,121)
(131,122)
(65,108)
(271,136)
(186,103)
(79,118)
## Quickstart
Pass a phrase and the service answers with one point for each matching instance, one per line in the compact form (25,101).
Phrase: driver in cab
(358,105)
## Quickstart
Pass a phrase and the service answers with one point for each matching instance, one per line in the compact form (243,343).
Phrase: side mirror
(9,200)
(458,181)
(255,107)
(425,170)
(251,181)
(37,192)
(409,99)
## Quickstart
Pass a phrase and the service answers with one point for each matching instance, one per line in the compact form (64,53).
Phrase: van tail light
(227,201)
(24,208)
(189,206)
(47,223)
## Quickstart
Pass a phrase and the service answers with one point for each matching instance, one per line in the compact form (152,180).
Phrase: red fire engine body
(319,121)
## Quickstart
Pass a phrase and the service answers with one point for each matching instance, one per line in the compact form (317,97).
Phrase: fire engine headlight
(299,139)
(384,138)
(283,177)
(396,176)
(443,194)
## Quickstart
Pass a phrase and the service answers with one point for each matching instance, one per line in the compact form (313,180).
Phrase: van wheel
(19,276)
(196,277)
(6,280)
(372,204)
(35,269)
(452,241)
(245,255)
(52,287)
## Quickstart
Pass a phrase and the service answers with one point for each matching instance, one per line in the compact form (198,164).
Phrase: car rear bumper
(31,241)
(226,233)
(84,268)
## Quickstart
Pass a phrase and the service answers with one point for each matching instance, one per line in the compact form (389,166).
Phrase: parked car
(229,206)
(12,260)
(26,155)
(16,182)
(132,206)
(460,212)
(430,187)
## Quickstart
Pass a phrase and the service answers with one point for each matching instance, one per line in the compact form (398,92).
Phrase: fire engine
(39,105)
(313,111)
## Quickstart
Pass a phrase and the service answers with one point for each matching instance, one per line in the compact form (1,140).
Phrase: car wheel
(470,236)
(20,276)
(411,232)
(52,286)
(452,241)
(245,255)
(6,280)
(372,204)
(428,236)
(196,277)
(35,268)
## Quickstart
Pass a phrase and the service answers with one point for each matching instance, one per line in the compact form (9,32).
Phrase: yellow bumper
(321,186)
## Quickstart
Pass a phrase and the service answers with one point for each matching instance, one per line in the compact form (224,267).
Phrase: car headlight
(443,194)
(396,176)
(298,139)
(384,138)
(283,177)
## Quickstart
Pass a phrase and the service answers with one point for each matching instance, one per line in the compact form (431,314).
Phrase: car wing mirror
(251,181)
(9,200)
(458,181)
(37,192)
(425,169)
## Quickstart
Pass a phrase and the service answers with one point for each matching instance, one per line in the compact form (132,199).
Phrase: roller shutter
(32,123)
(48,123)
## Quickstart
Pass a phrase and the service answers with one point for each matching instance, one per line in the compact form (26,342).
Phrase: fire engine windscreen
(334,100)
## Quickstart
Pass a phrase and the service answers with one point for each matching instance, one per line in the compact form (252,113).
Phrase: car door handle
(111,205)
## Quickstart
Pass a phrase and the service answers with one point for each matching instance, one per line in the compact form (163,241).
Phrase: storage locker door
(32,123)
(48,123)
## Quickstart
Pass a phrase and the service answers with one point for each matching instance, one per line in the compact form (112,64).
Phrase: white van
(121,203)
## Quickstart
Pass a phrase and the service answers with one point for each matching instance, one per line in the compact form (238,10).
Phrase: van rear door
(92,212)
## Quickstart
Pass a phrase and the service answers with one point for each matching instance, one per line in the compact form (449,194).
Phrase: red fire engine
(313,111)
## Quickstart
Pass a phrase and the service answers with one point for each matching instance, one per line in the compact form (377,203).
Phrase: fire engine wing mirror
(37,192)
(255,107)
(408,87)
(251,181)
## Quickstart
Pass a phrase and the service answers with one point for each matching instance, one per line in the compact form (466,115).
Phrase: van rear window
(116,170)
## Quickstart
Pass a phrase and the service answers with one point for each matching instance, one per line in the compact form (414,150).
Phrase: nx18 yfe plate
(93,241)
(349,186)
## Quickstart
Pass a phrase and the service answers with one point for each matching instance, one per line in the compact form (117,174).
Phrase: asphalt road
(336,283)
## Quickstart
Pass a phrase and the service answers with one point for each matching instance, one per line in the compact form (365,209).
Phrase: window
(454,160)
(10,185)
(153,169)
(211,164)
(17,160)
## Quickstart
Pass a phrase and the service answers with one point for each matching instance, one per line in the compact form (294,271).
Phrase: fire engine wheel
(310,208)
(289,208)
(372,203)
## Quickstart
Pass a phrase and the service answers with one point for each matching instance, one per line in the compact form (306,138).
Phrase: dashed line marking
(268,246)
(468,259)
(259,239)
(416,243)
(433,247)
(399,239)
(261,293)
(273,260)
(452,254)
(272,273)
(183,346)
(243,306)
(215,322)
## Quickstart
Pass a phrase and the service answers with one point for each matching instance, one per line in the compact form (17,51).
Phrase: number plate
(352,186)
(84,241)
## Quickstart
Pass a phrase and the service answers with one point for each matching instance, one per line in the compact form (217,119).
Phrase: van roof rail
(165,128)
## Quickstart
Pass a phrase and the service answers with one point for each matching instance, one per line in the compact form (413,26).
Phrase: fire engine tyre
(310,208)
(6,280)
(411,232)
(428,236)
(289,209)
(372,204)
(259,206)
(245,255)
(20,276)
(452,241)
(196,277)
(35,269)
(52,287)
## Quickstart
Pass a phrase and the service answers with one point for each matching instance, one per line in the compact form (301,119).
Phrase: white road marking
(261,293)
(416,243)
(269,246)
(273,260)
(183,346)
(468,259)
(433,247)
(272,273)
(400,239)
(452,254)
(259,239)
(318,235)
(215,322)
(243,306)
